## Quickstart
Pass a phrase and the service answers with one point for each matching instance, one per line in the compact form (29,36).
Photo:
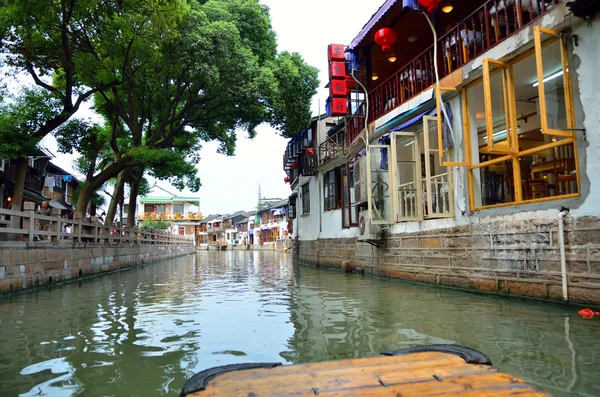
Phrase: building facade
(182,213)
(469,160)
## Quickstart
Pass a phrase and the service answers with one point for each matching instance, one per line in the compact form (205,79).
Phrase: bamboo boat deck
(426,373)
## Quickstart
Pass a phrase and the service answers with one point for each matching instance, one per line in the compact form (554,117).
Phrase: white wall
(585,61)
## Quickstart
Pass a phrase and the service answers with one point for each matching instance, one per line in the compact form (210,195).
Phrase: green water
(143,332)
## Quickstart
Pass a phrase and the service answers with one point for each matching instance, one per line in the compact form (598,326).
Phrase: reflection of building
(162,205)
(459,185)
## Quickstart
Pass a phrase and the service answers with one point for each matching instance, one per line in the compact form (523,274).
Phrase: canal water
(143,332)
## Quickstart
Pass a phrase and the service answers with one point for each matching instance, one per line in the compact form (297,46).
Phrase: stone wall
(29,265)
(519,257)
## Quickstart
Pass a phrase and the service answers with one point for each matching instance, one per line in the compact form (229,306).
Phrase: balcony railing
(489,25)
(170,217)
(333,147)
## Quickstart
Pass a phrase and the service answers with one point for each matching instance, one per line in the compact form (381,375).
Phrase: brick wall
(520,257)
(28,265)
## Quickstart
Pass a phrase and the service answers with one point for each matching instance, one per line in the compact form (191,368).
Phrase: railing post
(77,226)
(29,223)
(94,221)
(57,227)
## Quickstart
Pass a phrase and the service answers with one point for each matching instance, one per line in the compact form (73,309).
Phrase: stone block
(458,242)
(483,284)
(409,243)
(533,289)
(470,261)
(454,281)
(402,275)
(55,265)
(425,278)
(436,261)
(430,242)
(584,295)
(5,286)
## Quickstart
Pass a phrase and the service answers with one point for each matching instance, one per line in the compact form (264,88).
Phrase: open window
(379,183)
(554,83)
(408,176)
(529,110)
(499,107)
(349,202)
(437,184)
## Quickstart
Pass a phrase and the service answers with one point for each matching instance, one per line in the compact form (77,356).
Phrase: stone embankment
(520,258)
(85,248)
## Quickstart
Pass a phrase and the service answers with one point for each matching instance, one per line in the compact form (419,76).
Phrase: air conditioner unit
(360,180)
(368,232)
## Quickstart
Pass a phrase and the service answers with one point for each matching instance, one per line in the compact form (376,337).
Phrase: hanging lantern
(293,166)
(386,37)
(310,151)
(291,187)
(431,5)
(287,179)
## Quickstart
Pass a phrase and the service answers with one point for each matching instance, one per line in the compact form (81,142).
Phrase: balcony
(191,216)
(334,148)
(486,27)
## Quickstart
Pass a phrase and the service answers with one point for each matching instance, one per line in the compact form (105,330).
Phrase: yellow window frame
(509,105)
(537,30)
(514,156)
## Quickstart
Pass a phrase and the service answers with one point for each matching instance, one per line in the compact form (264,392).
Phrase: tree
(218,72)
(69,50)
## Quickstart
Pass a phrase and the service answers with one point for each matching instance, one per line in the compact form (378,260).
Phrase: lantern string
(437,76)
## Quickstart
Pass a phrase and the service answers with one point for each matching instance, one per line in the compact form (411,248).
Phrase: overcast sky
(231,183)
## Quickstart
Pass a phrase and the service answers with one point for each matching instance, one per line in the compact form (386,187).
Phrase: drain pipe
(561,242)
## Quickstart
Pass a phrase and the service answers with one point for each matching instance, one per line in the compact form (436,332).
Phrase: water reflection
(145,331)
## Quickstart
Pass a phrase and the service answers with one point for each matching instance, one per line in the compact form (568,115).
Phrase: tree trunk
(134,188)
(117,196)
(85,195)
(19,189)
(93,184)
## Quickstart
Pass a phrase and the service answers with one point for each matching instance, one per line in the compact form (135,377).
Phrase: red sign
(339,107)
(335,52)
(337,87)
(337,69)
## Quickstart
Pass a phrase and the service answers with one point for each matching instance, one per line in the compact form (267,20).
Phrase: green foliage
(152,224)
(20,117)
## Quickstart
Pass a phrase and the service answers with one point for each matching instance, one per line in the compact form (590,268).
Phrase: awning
(412,4)
(55,204)
(33,196)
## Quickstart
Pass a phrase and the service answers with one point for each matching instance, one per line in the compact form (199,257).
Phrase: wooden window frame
(305,190)
(331,185)
(515,154)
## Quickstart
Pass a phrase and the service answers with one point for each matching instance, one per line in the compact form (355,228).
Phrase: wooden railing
(489,25)
(82,230)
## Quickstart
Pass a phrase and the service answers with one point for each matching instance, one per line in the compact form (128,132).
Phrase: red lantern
(291,187)
(431,5)
(386,37)
(293,166)
(310,151)
(287,179)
